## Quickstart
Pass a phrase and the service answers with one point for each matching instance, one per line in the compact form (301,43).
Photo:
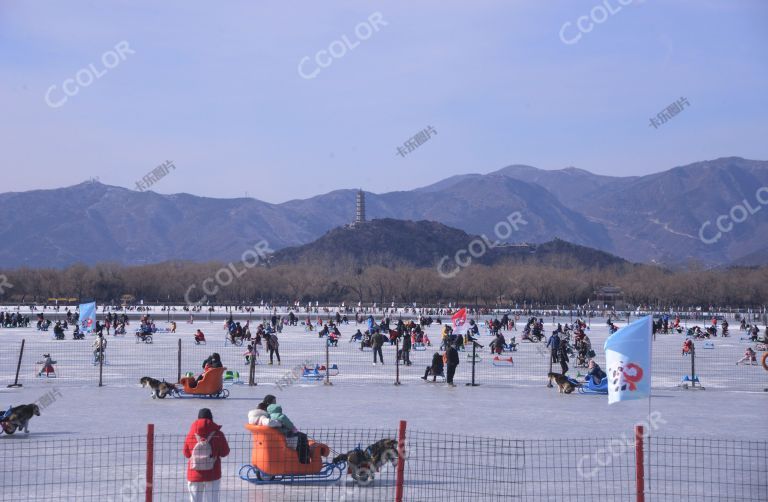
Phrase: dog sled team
(280,453)
(594,381)
(208,384)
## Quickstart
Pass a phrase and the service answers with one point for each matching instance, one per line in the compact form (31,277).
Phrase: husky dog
(564,385)
(20,416)
(159,389)
(364,463)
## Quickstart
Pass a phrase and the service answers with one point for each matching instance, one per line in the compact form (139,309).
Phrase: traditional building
(610,297)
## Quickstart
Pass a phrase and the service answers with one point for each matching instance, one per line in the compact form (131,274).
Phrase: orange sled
(210,386)
(272,461)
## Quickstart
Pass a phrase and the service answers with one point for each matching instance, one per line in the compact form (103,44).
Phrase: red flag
(459,319)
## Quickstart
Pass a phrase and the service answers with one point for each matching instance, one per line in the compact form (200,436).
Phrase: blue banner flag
(87,317)
(628,361)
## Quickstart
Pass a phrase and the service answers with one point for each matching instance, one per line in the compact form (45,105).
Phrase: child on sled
(750,357)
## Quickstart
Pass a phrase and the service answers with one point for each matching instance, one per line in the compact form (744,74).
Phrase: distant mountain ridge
(653,218)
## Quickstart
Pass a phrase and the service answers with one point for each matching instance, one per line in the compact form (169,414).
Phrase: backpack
(202,458)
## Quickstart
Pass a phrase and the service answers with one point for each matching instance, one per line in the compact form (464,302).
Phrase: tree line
(504,284)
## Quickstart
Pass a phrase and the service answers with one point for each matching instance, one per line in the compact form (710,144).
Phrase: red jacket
(202,427)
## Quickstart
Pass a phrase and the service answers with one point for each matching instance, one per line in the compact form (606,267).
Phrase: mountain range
(654,218)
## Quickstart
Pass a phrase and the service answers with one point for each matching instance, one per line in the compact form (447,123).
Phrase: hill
(389,242)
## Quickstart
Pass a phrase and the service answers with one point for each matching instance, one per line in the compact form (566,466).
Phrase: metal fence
(169,356)
(426,466)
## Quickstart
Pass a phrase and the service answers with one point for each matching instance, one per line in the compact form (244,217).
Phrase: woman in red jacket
(204,447)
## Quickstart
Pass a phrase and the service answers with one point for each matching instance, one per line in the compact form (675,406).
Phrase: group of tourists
(206,444)
(13,320)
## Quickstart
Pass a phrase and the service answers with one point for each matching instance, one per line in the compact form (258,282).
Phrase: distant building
(360,208)
(610,297)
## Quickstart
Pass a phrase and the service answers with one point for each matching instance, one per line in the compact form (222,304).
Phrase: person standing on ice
(377,342)
(204,446)
(562,356)
(554,344)
(406,350)
(273,347)
(452,363)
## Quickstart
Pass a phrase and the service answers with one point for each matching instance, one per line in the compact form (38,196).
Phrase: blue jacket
(554,341)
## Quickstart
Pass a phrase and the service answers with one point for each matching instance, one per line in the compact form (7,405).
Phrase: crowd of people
(14,320)
(206,444)
(568,346)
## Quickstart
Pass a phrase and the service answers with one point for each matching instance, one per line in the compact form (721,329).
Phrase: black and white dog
(159,389)
(364,463)
(19,418)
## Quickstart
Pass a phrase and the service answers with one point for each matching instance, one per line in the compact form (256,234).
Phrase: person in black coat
(595,372)
(562,355)
(406,350)
(273,347)
(453,362)
(213,361)
(436,368)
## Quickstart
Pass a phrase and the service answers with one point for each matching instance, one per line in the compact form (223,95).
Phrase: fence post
(549,356)
(101,362)
(18,366)
(327,363)
(400,462)
(397,361)
(178,363)
(693,365)
(150,462)
(252,366)
(474,361)
(639,464)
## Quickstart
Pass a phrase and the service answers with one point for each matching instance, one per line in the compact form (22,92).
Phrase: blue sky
(217,90)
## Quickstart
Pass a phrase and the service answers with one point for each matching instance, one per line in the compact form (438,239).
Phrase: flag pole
(650,425)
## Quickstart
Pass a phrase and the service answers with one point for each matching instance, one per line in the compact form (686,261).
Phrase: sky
(110,90)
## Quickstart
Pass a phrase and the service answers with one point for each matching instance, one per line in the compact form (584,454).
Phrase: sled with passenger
(211,385)
(273,461)
(590,387)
